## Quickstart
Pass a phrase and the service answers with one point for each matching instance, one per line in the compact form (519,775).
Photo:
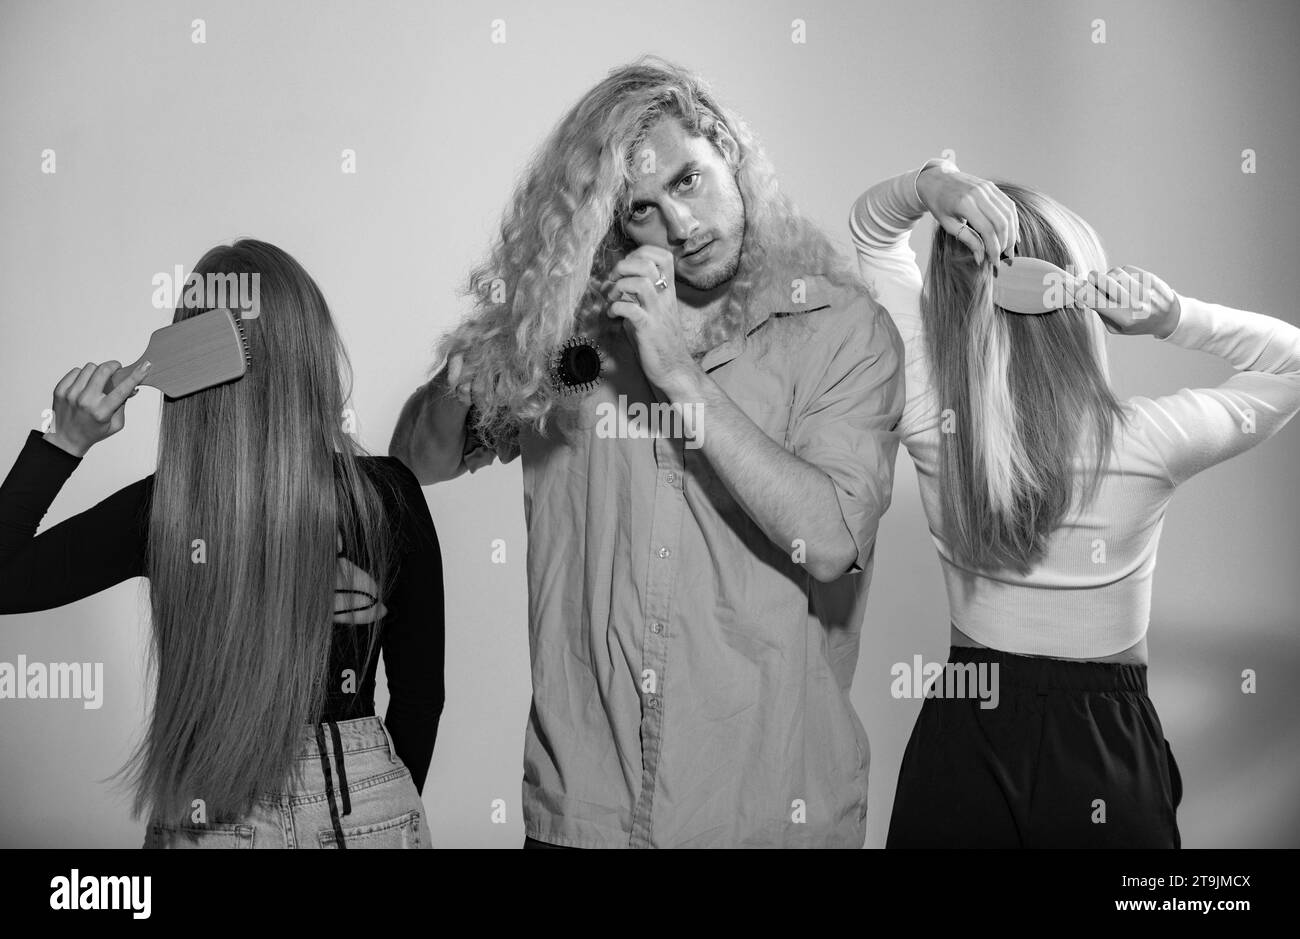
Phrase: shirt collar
(734,347)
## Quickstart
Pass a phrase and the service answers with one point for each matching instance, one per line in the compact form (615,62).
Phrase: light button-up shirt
(690,679)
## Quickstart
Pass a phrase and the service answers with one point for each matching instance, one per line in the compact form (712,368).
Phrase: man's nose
(679,223)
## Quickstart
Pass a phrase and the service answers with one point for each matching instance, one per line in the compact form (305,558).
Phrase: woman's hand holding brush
(83,413)
(1131,301)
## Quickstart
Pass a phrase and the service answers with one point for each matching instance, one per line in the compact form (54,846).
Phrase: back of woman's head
(1027,411)
(257,488)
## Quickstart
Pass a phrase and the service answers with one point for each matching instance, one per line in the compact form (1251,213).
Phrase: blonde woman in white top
(1045,496)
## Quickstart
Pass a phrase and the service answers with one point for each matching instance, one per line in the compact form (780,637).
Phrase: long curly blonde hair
(560,236)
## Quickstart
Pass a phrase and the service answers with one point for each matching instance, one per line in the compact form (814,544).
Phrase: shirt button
(665,553)
(656,627)
(672,477)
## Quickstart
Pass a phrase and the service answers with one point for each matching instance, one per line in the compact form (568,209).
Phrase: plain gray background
(165,147)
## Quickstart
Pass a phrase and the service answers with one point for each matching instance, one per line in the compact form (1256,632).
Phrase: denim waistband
(364,750)
(1027,671)
(355,736)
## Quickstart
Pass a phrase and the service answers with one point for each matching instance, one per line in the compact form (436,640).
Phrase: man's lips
(687,254)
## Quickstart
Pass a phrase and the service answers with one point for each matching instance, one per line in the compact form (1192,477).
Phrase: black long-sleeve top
(106,545)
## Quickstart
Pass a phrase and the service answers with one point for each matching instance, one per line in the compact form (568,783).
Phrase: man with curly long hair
(705,400)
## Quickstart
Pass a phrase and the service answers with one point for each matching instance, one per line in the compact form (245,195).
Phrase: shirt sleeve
(1197,428)
(444,436)
(848,426)
(881,223)
(80,556)
(413,632)
(477,453)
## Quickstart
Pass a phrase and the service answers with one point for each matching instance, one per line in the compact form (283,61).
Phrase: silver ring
(964,225)
(661,284)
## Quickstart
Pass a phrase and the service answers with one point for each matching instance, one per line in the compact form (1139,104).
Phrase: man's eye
(688,182)
(639,213)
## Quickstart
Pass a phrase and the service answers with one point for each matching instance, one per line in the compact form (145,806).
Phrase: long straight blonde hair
(259,475)
(1029,397)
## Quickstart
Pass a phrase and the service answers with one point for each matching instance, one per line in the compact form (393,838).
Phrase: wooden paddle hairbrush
(1034,286)
(196,353)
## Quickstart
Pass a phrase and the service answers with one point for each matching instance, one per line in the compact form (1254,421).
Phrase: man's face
(685,199)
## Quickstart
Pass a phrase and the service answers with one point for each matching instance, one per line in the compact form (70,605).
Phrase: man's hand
(974,211)
(642,293)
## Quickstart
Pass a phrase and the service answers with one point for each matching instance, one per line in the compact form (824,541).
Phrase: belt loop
(338,761)
(329,786)
(388,739)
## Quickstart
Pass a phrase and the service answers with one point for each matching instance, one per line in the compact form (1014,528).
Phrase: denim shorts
(350,791)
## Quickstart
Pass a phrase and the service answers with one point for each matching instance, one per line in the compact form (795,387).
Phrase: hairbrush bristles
(576,366)
(243,336)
